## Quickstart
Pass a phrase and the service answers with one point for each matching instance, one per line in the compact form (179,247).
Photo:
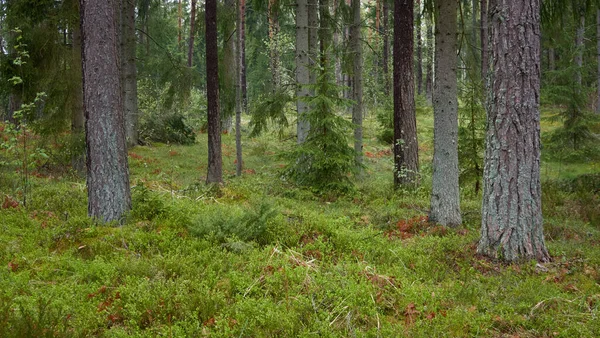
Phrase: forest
(300,168)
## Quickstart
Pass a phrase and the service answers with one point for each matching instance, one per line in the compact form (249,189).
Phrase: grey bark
(109,197)
(419,49)
(445,194)
(273,11)
(511,227)
(129,70)
(484,36)
(357,83)
(313,41)
(429,66)
(215,160)
(406,156)
(580,47)
(302,72)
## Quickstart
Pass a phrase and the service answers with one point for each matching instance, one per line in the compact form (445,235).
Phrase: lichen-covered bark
(511,227)
(302,72)
(406,155)
(108,173)
(215,161)
(445,194)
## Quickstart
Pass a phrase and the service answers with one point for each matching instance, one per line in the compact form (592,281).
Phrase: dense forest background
(297,168)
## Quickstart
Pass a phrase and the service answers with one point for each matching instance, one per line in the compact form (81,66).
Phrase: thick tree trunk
(215,162)
(429,78)
(357,83)
(302,72)
(129,70)
(386,48)
(406,156)
(273,13)
(77,112)
(192,34)
(109,196)
(511,227)
(238,97)
(445,194)
(419,49)
(229,71)
(484,39)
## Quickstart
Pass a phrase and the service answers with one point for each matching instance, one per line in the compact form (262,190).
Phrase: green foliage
(146,205)
(270,108)
(324,161)
(384,114)
(471,134)
(227,225)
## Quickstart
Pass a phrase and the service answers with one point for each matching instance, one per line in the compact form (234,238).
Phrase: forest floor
(262,258)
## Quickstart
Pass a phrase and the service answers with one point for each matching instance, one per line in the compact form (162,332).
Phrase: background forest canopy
(343,168)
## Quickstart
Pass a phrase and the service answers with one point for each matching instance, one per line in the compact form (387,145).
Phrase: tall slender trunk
(445,194)
(419,49)
(192,34)
(215,162)
(357,89)
(229,71)
(313,41)
(579,45)
(511,224)
(429,66)
(243,56)
(302,72)
(273,13)
(77,112)
(339,76)
(129,70)
(598,59)
(484,39)
(325,35)
(386,48)
(179,23)
(406,156)
(109,196)
(238,97)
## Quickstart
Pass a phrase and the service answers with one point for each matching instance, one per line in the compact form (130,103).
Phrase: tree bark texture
(302,71)
(429,66)
(511,226)
(313,41)
(357,83)
(215,161)
(419,50)
(192,34)
(109,197)
(406,153)
(580,47)
(445,194)
(129,70)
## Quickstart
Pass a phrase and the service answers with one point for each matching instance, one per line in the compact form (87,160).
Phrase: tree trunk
(445,194)
(313,41)
(419,50)
(238,96)
(598,59)
(109,196)
(429,78)
(302,72)
(406,156)
(511,226)
(192,34)
(357,90)
(244,87)
(77,112)
(229,71)
(580,47)
(273,11)
(484,39)
(386,48)
(325,35)
(179,24)
(129,70)
(215,162)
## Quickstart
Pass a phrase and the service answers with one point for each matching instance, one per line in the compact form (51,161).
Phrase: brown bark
(109,196)
(511,227)
(215,162)
(406,157)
